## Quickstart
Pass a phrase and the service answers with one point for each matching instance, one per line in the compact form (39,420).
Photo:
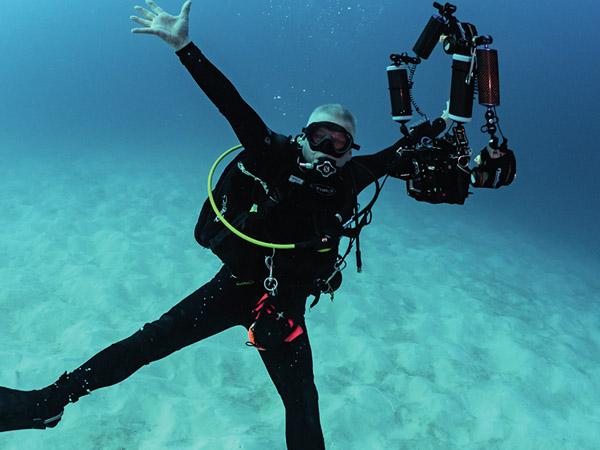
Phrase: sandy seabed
(449,339)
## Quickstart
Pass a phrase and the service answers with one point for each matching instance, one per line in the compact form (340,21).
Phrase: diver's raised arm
(249,128)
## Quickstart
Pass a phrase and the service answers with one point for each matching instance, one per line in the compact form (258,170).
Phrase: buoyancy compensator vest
(257,193)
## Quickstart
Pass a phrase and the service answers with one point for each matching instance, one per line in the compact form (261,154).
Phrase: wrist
(181,44)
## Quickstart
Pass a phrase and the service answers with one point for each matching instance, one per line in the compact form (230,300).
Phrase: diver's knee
(302,397)
(152,331)
(145,344)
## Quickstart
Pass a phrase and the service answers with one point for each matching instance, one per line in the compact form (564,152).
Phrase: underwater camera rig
(441,172)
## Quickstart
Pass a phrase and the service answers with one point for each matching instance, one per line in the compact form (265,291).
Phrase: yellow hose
(224,221)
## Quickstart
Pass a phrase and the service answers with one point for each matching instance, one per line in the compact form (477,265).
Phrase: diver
(280,188)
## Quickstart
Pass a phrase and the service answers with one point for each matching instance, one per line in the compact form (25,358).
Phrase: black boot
(38,409)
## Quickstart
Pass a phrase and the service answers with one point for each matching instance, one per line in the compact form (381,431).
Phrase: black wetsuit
(228,300)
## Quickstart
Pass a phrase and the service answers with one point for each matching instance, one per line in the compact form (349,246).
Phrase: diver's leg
(209,310)
(290,367)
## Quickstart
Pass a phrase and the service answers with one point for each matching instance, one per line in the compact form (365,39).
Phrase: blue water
(73,75)
(106,141)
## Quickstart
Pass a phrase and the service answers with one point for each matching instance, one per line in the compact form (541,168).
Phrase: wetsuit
(228,299)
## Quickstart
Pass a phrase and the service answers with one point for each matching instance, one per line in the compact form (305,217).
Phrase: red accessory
(271,328)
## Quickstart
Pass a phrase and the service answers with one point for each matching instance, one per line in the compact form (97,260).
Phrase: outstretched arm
(369,168)
(391,162)
(251,131)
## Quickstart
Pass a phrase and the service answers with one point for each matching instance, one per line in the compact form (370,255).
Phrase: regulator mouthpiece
(325,167)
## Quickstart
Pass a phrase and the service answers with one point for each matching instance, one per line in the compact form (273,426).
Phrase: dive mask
(329,138)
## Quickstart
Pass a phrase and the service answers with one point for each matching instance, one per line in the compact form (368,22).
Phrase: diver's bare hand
(446,113)
(172,29)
